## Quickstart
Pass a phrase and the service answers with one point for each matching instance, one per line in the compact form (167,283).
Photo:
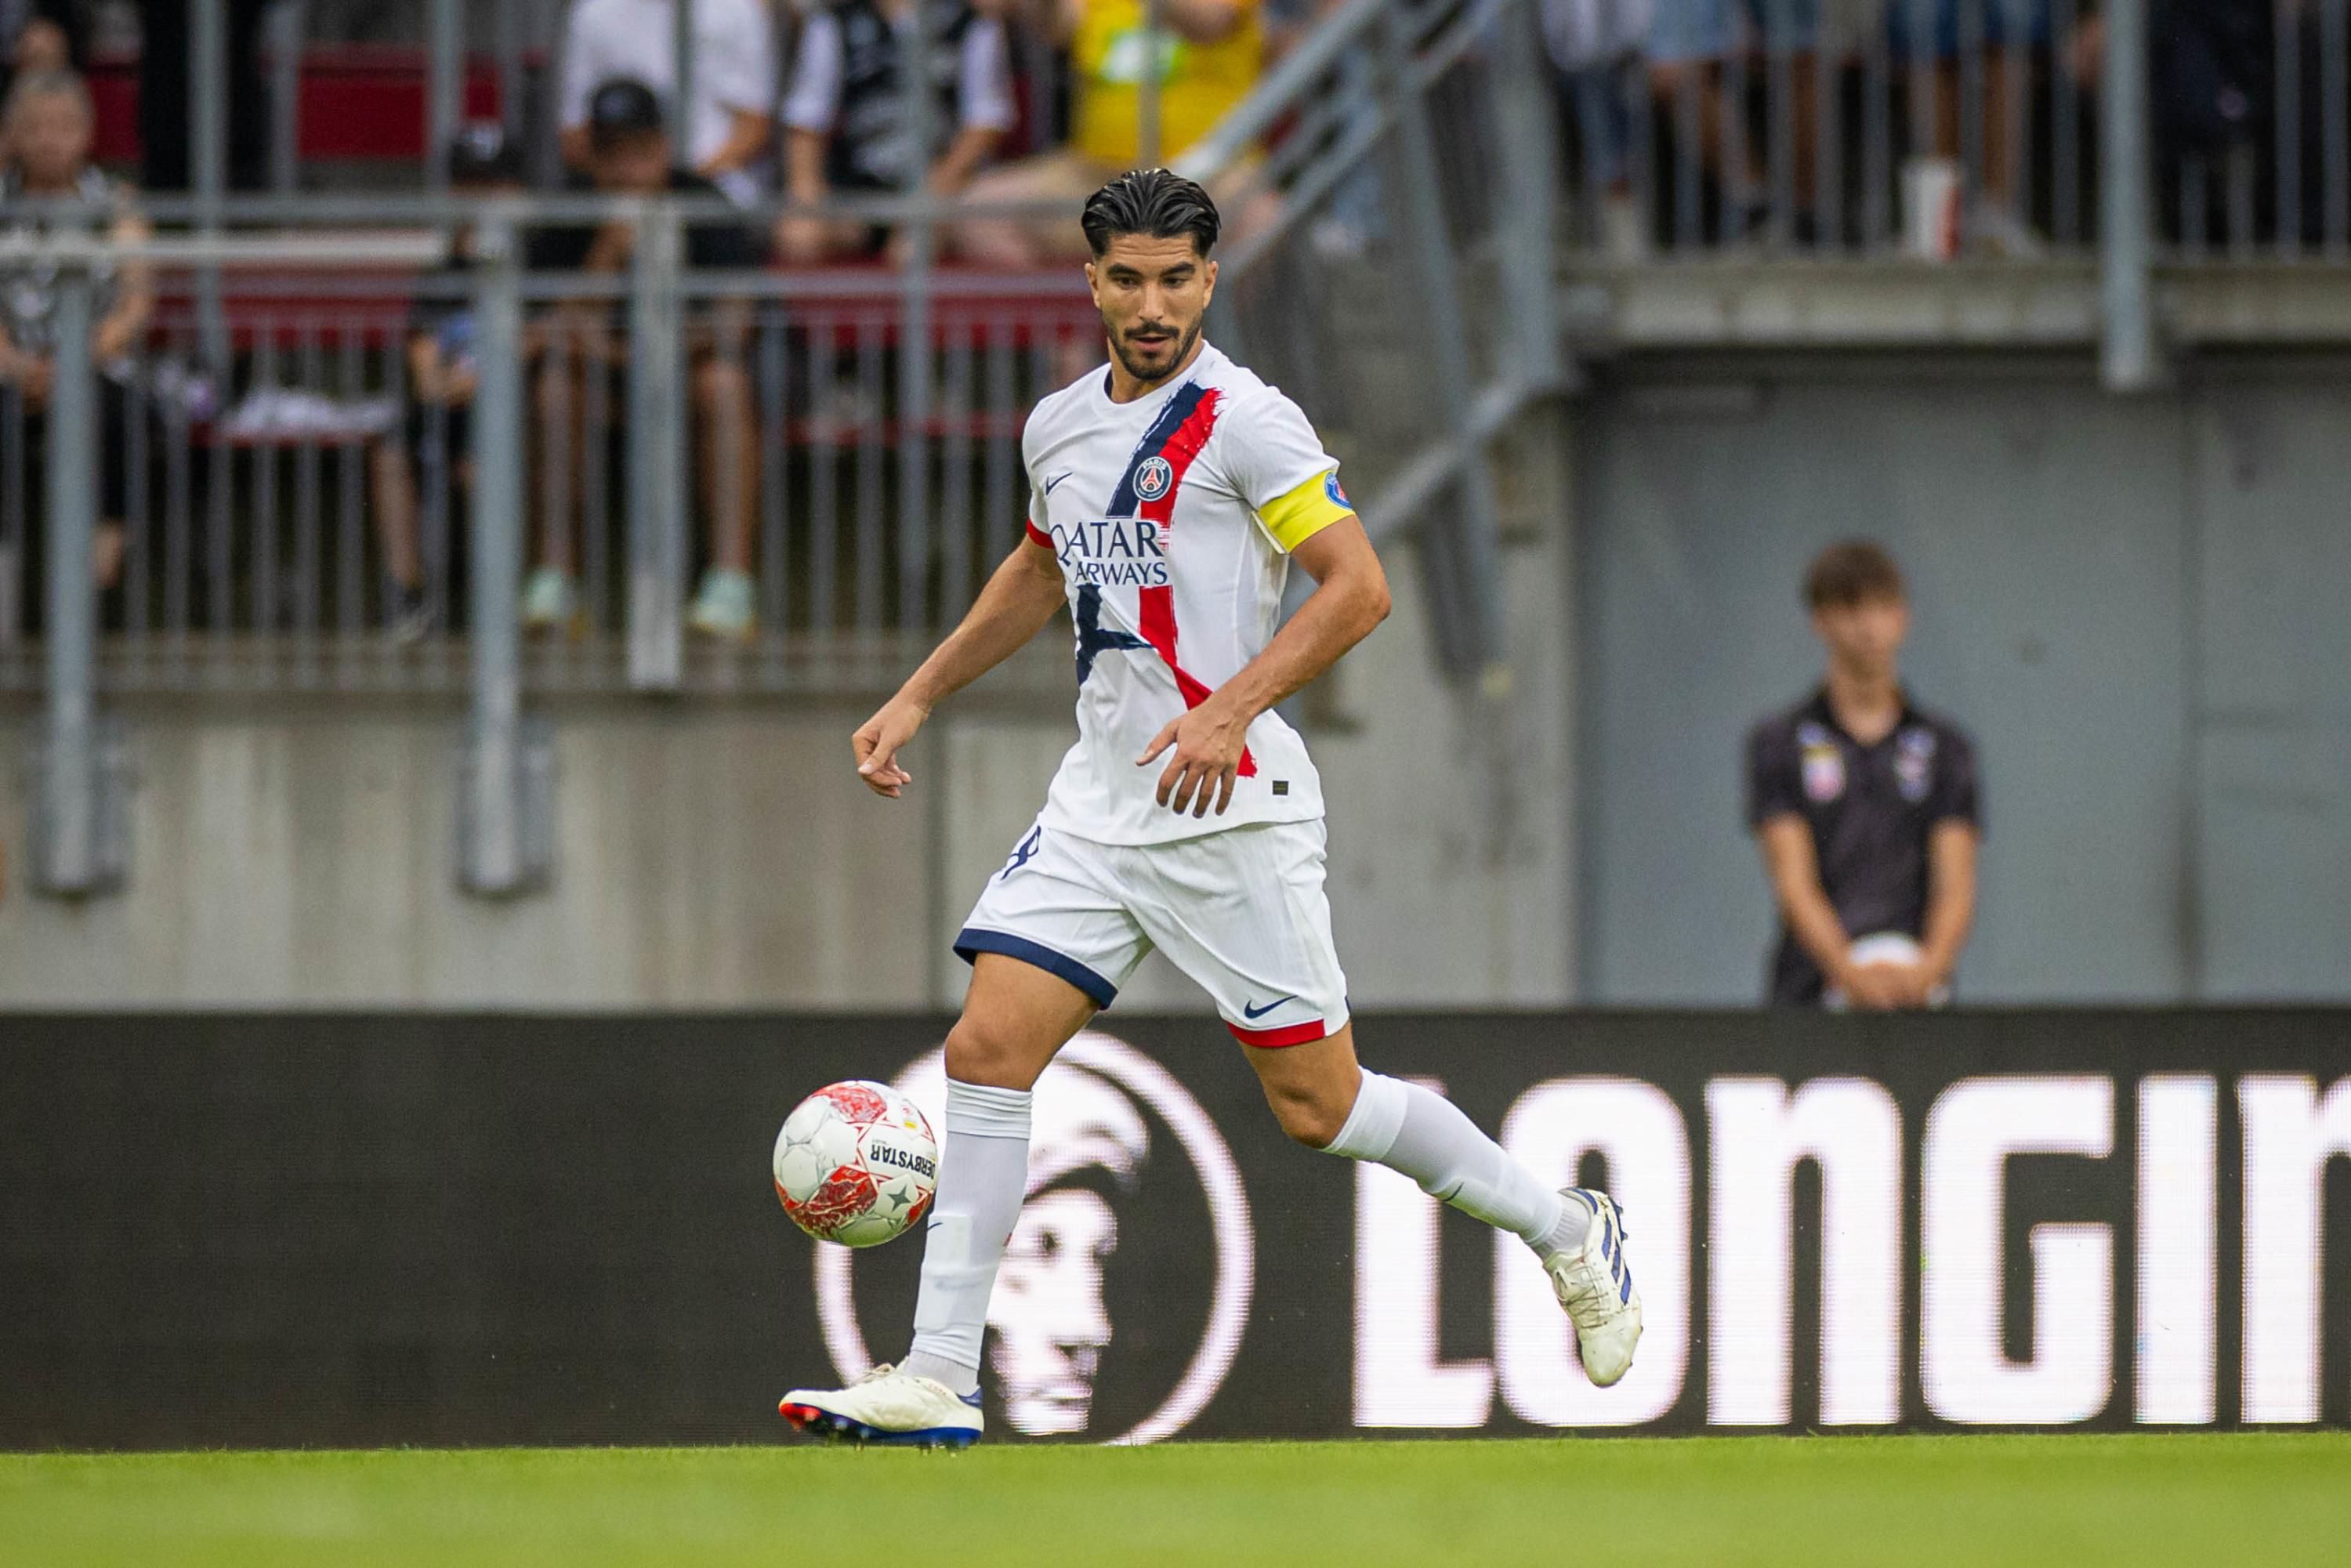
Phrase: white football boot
(890,1406)
(1595,1286)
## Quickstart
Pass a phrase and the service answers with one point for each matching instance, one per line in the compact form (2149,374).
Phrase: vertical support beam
(1527,204)
(208,161)
(918,111)
(289,25)
(1458,550)
(2129,359)
(500,835)
(681,116)
(445,88)
(657,473)
(513,93)
(70,830)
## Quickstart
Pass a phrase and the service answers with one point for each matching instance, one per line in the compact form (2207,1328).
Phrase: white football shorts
(1242,911)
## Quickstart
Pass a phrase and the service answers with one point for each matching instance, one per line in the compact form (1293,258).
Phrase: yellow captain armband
(1298,515)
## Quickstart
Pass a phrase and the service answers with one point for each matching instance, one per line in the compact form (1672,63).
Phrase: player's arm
(1794,871)
(1350,598)
(1951,899)
(1804,903)
(1014,607)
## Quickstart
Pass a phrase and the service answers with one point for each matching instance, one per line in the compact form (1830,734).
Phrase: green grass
(2144,1501)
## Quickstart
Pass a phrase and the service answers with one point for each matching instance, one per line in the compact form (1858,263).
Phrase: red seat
(359,102)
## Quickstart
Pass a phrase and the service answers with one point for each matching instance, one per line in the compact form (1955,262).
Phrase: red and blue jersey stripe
(1175,438)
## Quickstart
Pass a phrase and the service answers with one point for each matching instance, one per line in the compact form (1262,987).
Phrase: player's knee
(1307,1116)
(977,1054)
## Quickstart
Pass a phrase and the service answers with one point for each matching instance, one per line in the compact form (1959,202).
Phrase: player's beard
(1146,373)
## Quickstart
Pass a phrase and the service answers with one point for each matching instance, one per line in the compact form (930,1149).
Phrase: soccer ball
(856,1164)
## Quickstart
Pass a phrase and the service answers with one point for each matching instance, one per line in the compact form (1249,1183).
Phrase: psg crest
(1151,479)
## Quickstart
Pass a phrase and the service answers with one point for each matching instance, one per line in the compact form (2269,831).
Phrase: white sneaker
(1595,1286)
(890,1406)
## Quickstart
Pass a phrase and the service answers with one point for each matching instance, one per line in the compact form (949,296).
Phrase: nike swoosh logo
(1255,1012)
(1057,479)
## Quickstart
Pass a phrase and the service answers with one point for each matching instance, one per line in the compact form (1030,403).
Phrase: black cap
(482,153)
(622,107)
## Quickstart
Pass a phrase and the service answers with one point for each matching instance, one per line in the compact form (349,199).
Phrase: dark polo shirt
(1870,809)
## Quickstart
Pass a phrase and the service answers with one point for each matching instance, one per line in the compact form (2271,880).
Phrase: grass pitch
(2148,1501)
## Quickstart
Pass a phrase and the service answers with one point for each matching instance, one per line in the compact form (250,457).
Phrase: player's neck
(1125,387)
(1867,705)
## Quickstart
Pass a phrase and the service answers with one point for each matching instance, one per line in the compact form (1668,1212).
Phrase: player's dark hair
(1157,203)
(1851,572)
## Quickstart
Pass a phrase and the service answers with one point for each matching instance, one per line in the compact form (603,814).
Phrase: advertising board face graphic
(498,1229)
(1090,1138)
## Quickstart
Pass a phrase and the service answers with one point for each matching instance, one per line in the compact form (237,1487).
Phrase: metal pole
(1528,326)
(681,98)
(208,161)
(67,828)
(2129,360)
(289,27)
(445,92)
(1458,554)
(491,832)
(657,473)
(917,111)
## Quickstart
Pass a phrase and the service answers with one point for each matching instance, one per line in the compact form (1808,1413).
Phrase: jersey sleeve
(1034,523)
(743,75)
(1772,789)
(1956,795)
(1276,465)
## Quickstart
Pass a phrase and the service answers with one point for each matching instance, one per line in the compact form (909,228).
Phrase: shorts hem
(1286,1035)
(974,940)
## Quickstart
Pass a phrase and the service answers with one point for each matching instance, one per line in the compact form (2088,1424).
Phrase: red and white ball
(856,1164)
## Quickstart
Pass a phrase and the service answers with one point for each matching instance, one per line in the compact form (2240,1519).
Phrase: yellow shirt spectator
(1198,83)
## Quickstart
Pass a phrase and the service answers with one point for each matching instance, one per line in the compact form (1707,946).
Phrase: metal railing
(1935,130)
(296,511)
(263,517)
(262,496)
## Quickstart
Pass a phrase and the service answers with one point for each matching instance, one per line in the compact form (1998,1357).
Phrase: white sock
(983,1175)
(1425,1135)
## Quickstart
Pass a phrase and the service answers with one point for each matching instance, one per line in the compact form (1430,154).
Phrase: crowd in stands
(801,100)
(1740,91)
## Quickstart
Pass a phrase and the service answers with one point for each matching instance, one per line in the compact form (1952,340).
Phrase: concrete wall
(2133,604)
(723,854)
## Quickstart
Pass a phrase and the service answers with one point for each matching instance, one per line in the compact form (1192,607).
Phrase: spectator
(1865,806)
(37,36)
(1594,45)
(442,377)
(1995,221)
(845,124)
(629,154)
(734,80)
(1207,58)
(47,125)
(1690,40)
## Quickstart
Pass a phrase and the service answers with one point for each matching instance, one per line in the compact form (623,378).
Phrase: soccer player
(1168,495)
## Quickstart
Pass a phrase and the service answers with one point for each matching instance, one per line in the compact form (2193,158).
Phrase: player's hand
(1917,983)
(1207,743)
(1881,987)
(877,741)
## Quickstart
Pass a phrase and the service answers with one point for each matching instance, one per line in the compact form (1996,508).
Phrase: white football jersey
(1173,518)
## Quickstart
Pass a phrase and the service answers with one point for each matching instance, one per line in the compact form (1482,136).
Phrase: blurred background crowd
(430,350)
